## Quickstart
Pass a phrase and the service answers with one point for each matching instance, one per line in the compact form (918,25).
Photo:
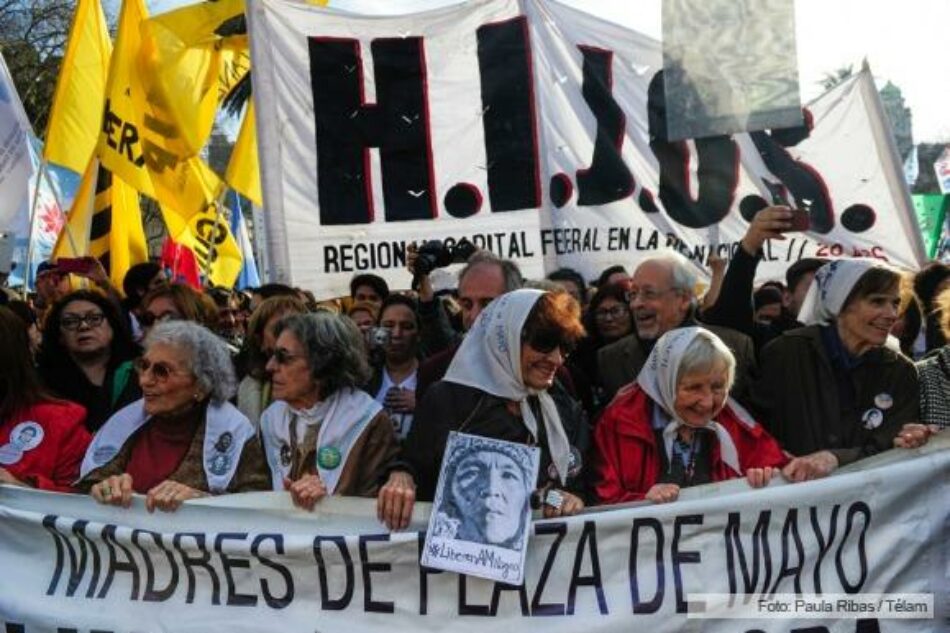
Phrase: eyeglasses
(282,356)
(161,371)
(547,342)
(148,319)
(606,314)
(73,322)
(647,295)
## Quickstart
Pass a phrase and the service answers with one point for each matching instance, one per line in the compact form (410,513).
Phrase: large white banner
(15,166)
(538,132)
(252,563)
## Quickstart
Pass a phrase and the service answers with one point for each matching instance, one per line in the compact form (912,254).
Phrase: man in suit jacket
(661,299)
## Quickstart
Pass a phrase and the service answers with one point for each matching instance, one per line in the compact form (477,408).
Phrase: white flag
(15,167)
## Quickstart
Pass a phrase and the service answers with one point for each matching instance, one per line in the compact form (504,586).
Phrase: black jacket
(452,407)
(799,397)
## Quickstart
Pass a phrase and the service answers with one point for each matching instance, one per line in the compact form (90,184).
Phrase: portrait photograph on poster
(482,510)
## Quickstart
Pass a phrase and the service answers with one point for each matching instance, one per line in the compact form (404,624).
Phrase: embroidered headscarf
(830,288)
(490,359)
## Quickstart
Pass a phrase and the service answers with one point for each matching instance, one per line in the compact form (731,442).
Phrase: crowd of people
(633,386)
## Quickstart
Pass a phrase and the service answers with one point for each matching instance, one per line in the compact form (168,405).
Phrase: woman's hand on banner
(306,491)
(663,493)
(169,495)
(395,501)
(569,505)
(114,491)
(814,466)
(914,435)
(760,477)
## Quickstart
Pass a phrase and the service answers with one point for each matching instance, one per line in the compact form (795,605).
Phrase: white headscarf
(490,359)
(658,380)
(832,284)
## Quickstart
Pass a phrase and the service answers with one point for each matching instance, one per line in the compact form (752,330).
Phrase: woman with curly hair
(86,355)
(183,439)
(323,435)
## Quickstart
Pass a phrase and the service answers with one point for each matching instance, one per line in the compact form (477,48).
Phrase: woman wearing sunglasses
(323,435)
(501,384)
(183,439)
(86,355)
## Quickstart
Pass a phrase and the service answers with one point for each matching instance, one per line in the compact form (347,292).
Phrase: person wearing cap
(676,426)
(834,392)
(52,284)
(501,385)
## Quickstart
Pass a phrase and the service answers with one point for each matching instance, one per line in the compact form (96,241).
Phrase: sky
(904,42)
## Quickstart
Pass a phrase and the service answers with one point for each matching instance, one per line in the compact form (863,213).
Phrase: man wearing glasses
(662,298)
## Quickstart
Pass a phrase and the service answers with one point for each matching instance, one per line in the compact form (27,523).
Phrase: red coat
(627,461)
(53,464)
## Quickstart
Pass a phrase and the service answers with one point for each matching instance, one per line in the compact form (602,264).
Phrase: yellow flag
(243,172)
(105,222)
(202,53)
(80,90)
(139,141)
(208,236)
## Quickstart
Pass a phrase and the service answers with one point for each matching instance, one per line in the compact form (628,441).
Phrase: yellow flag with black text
(202,53)
(243,172)
(105,222)
(80,90)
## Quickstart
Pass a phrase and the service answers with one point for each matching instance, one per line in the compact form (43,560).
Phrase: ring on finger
(105,490)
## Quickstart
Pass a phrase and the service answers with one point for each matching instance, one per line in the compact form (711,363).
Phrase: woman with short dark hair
(834,391)
(42,439)
(501,384)
(86,355)
(396,362)
(323,435)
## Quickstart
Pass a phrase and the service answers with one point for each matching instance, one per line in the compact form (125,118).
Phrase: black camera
(434,254)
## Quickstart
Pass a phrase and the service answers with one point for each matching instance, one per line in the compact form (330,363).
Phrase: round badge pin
(220,464)
(10,455)
(883,401)
(285,456)
(328,457)
(872,418)
(26,435)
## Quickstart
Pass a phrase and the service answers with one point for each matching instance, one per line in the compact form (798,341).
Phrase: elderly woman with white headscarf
(835,391)
(676,426)
(501,384)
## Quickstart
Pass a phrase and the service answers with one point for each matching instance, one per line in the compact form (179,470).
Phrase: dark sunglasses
(148,319)
(161,371)
(282,356)
(547,342)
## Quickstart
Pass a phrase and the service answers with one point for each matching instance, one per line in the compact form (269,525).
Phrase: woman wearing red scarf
(676,426)
(42,440)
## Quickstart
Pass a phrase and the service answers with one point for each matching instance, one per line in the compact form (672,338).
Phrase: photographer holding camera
(483,278)
(395,342)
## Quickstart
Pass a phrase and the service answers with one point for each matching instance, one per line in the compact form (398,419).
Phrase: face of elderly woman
(701,394)
(491,492)
(866,322)
(290,373)
(168,386)
(538,366)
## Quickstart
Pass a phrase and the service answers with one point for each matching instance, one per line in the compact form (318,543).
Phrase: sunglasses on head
(547,342)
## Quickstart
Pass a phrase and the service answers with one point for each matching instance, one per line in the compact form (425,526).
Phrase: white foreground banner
(252,563)
(539,133)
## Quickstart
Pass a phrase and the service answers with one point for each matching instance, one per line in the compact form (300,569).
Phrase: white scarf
(343,417)
(489,359)
(832,284)
(658,380)
(219,465)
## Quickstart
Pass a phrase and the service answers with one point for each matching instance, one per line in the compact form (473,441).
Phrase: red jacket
(627,461)
(53,463)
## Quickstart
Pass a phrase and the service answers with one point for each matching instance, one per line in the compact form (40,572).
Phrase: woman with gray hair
(183,439)
(323,435)
(676,426)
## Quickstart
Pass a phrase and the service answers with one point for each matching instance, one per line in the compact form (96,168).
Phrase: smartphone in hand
(800,220)
(76,265)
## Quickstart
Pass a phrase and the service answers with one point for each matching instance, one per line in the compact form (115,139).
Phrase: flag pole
(29,244)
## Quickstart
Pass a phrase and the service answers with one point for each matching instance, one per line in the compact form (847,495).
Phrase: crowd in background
(634,385)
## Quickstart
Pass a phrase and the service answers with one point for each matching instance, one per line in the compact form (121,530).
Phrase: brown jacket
(620,362)
(365,466)
(251,472)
